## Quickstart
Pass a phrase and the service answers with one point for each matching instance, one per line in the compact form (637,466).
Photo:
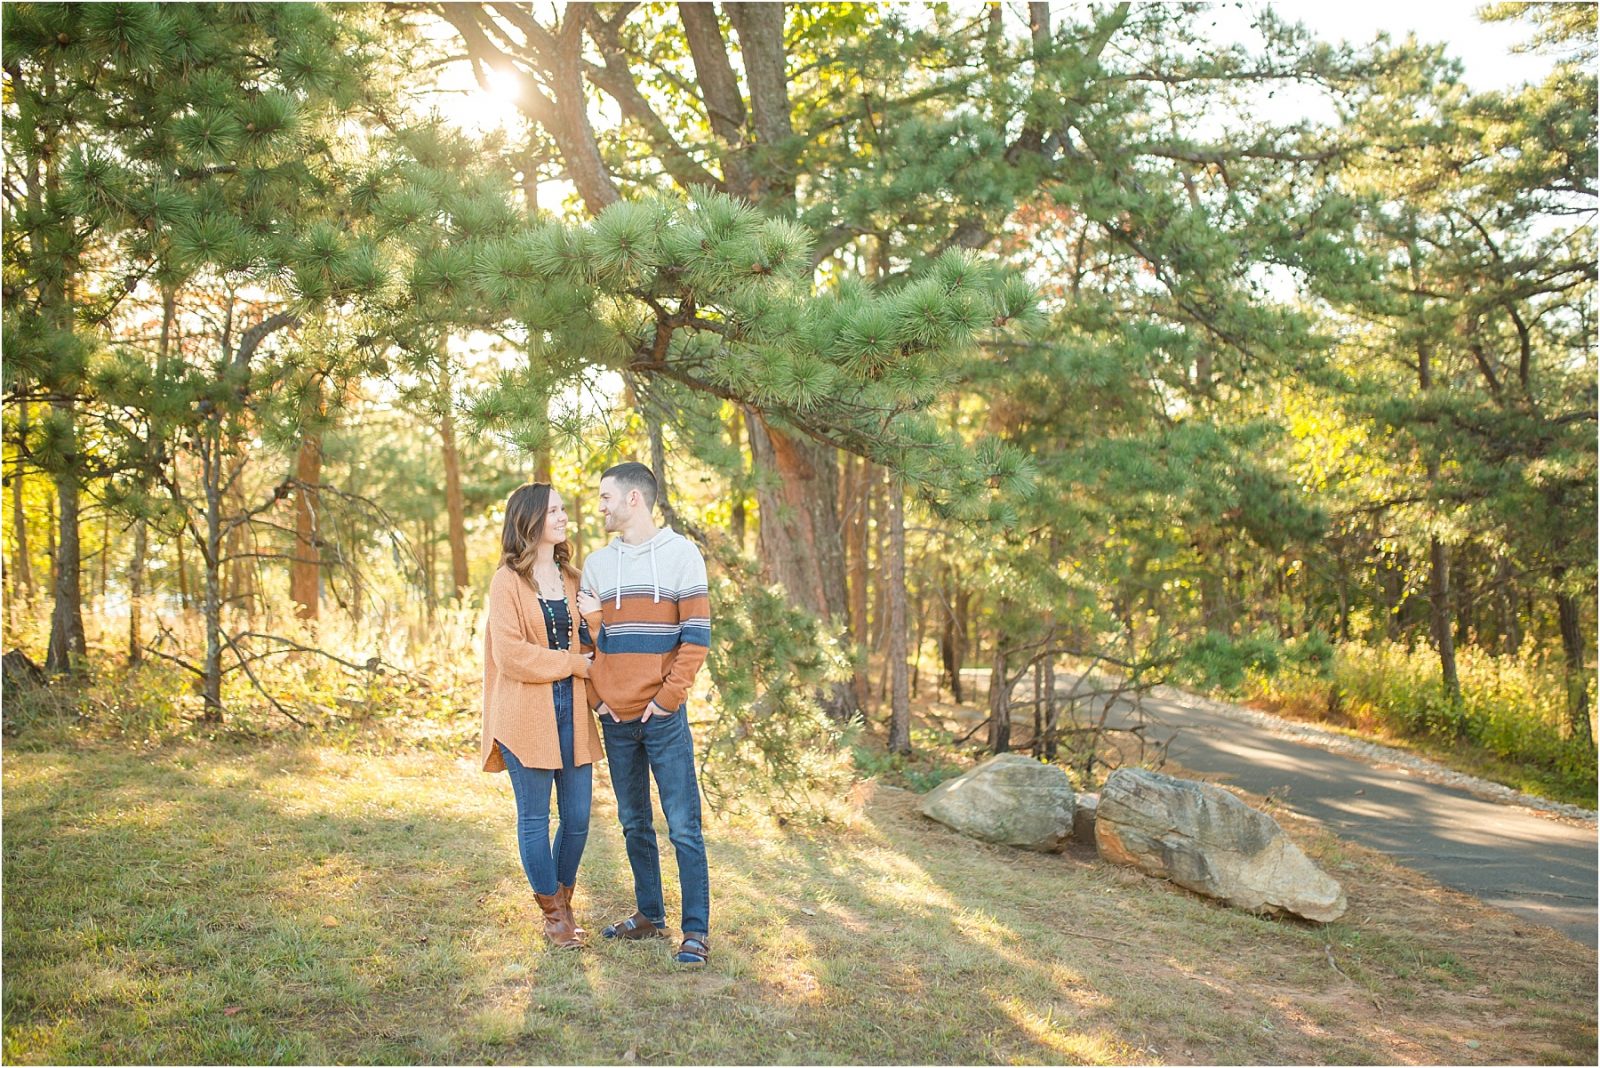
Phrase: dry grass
(217,902)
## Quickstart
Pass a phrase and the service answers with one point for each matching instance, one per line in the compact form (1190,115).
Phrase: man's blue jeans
(661,747)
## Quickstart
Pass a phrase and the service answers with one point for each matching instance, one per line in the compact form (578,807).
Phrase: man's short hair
(632,476)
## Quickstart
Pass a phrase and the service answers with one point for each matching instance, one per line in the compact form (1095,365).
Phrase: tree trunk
(1052,709)
(211,671)
(1391,583)
(658,461)
(105,555)
(856,545)
(999,693)
(1573,648)
(801,546)
(1037,746)
(736,516)
(899,698)
(878,506)
(454,505)
(67,642)
(357,588)
(183,571)
(1343,624)
(543,458)
(21,565)
(575,527)
(1509,606)
(430,568)
(761,48)
(1443,635)
(1438,553)
(141,534)
(305,571)
(1215,607)
(952,643)
(917,640)
(236,589)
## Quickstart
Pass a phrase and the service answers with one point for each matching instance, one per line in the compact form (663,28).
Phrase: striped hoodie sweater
(653,629)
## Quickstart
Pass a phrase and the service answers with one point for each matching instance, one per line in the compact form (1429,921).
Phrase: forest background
(1037,341)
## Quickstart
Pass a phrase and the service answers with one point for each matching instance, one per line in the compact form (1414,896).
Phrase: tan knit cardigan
(519,667)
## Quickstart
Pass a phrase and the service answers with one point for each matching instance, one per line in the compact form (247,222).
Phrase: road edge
(1376,752)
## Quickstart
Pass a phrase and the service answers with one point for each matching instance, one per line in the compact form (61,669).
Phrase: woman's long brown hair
(526,510)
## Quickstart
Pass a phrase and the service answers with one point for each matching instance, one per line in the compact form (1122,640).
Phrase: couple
(624,640)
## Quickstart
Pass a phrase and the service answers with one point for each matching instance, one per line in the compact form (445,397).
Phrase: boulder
(1083,817)
(1205,839)
(1009,799)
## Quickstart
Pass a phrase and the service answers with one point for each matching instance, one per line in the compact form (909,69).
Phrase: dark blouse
(557,619)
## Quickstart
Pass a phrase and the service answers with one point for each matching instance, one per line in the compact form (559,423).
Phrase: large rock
(1083,818)
(1202,837)
(1009,799)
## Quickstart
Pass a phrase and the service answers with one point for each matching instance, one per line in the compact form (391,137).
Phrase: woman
(533,681)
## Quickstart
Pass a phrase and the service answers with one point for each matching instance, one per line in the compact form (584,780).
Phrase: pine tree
(952,122)
(1484,306)
(193,147)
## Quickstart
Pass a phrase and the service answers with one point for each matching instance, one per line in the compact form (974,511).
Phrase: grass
(294,901)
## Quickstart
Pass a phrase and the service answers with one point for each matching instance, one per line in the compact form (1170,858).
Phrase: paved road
(1511,857)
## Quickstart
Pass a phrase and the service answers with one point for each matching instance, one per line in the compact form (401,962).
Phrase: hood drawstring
(655,572)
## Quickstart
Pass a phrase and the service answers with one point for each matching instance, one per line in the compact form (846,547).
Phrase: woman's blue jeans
(574,789)
(661,747)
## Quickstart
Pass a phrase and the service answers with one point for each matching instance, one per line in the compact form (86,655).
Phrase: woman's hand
(586,661)
(588,602)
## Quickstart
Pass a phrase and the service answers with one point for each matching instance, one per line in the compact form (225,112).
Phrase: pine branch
(252,338)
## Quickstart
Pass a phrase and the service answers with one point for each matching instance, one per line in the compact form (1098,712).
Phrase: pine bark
(185,602)
(1509,607)
(1000,693)
(21,565)
(211,670)
(1438,554)
(141,548)
(856,549)
(305,571)
(800,541)
(736,515)
(1573,648)
(67,641)
(761,48)
(455,508)
(899,697)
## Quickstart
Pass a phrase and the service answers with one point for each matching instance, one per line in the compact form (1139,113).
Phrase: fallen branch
(974,730)
(257,683)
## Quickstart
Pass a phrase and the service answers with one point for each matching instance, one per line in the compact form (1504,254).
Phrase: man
(644,596)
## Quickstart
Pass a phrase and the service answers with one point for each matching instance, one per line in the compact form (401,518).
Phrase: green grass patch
(231,902)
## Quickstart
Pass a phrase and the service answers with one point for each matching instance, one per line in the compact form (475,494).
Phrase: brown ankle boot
(565,894)
(557,921)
